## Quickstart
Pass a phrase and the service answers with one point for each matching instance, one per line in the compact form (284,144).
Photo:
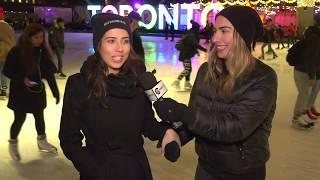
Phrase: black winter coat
(308,55)
(113,134)
(189,45)
(20,97)
(56,37)
(232,133)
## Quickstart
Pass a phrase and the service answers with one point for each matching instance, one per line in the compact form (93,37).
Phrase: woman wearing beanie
(104,105)
(27,64)
(232,102)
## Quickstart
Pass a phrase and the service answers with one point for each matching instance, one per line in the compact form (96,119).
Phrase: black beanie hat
(103,22)
(246,22)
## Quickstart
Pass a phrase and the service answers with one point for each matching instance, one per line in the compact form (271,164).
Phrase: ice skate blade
(53,151)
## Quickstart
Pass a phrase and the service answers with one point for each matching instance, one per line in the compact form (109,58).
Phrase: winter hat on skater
(103,22)
(246,22)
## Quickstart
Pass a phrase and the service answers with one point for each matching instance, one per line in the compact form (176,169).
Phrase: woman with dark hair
(104,104)
(232,102)
(26,65)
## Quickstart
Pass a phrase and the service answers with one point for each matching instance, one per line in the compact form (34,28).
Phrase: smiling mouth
(221,47)
(117,58)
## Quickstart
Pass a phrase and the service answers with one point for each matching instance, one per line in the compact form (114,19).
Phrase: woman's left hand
(169,136)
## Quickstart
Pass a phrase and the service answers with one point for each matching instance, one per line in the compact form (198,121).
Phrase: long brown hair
(96,72)
(225,72)
(27,57)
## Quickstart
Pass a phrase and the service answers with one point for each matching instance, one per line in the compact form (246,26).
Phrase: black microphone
(155,90)
(172,151)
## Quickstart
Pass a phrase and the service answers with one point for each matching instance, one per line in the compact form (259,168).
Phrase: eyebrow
(224,27)
(111,37)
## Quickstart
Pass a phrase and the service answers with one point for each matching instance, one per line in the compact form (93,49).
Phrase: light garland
(306,3)
(255,2)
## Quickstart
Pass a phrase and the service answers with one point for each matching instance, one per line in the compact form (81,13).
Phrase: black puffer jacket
(232,133)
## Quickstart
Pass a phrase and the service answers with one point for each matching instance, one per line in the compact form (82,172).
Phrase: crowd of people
(229,114)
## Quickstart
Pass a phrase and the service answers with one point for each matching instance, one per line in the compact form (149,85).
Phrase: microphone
(155,90)
(172,151)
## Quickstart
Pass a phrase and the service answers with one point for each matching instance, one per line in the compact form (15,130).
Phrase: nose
(215,37)
(120,46)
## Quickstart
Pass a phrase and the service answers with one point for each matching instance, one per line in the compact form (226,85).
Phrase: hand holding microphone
(167,109)
(155,90)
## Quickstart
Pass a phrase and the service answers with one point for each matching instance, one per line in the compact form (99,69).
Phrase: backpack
(294,53)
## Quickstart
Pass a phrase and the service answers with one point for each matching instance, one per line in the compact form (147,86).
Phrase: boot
(187,85)
(13,150)
(176,84)
(44,145)
(3,94)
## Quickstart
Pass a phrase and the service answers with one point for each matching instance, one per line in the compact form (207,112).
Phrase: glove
(169,110)
(57,100)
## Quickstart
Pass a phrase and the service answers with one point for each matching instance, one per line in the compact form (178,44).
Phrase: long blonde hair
(224,73)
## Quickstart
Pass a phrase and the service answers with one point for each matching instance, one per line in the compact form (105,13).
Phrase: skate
(3,94)
(13,150)
(187,85)
(176,84)
(44,145)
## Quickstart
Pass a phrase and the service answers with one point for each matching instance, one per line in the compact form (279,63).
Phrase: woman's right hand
(29,83)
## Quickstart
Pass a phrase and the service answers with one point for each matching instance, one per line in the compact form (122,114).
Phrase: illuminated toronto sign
(177,14)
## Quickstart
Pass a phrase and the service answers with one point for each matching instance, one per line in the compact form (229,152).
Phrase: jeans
(3,78)
(59,52)
(306,94)
(269,49)
(314,92)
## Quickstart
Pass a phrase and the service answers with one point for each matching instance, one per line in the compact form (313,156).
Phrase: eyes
(222,30)
(112,40)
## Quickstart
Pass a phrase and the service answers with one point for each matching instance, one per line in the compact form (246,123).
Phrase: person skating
(27,64)
(188,47)
(56,41)
(7,41)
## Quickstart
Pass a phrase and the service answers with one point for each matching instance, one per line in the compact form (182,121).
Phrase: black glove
(169,110)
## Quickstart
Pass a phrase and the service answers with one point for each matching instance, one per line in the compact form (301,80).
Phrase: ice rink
(295,154)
